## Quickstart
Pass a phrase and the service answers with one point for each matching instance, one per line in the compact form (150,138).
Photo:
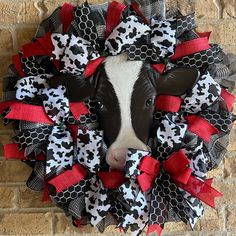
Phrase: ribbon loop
(29,87)
(150,168)
(177,166)
(56,104)
(90,151)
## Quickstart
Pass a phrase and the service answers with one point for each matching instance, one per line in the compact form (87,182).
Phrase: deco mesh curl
(52,133)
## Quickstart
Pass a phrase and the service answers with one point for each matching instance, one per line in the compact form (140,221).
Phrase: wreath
(58,127)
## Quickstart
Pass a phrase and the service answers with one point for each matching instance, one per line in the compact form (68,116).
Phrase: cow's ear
(78,88)
(177,81)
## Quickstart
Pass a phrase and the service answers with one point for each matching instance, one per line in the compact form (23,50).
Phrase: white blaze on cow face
(123,74)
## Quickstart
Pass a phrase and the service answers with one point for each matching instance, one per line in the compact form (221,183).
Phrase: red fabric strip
(190,47)
(11,151)
(5,105)
(46,196)
(201,127)
(149,165)
(68,178)
(46,44)
(92,66)
(204,34)
(78,109)
(42,46)
(150,168)
(113,18)
(177,166)
(160,68)
(74,131)
(168,103)
(154,229)
(22,111)
(201,190)
(113,179)
(78,222)
(18,65)
(228,97)
(40,157)
(67,16)
(146,181)
(32,49)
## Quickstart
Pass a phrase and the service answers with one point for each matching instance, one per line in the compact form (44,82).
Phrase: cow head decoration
(125,94)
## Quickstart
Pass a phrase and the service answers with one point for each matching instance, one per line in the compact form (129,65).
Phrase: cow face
(125,97)
(125,93)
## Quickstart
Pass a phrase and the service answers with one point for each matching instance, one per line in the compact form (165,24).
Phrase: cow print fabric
(130,31)
(29,87)
(203,94)
(90,149)
(52,149)
(163,36)
(73,52)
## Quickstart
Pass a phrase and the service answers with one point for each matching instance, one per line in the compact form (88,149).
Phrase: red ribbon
(92,67)
(46,195)
(22,111)
(160,68)
(190,47)
(33,113)
(66,15)
(114,14)
(78,109)
(113,179)
(155,228)
(204,34)
(150,168)
(68,178)
(42,46)
(201,190)
(228,97)
(201,127)
(177,166)
(11,151)
(168,103)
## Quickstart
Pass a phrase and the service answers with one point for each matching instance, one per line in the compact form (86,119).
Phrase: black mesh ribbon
(185,24)
(84,21)
(201,59)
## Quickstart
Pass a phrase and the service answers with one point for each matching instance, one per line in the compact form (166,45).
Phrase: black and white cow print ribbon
(203,94)
(90,152)
(73,52)
(60,149)
(131,36)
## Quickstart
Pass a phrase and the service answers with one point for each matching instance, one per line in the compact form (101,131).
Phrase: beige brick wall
(21,210)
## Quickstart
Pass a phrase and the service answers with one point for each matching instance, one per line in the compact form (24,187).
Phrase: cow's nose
(116,158)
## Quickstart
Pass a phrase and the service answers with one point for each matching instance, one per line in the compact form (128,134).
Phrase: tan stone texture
(21,210)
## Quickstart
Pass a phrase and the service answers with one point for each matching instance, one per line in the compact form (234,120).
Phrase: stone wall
(21,210)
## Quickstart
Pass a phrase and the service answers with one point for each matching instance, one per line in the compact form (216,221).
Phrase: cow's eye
(99,105)
(150,102)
